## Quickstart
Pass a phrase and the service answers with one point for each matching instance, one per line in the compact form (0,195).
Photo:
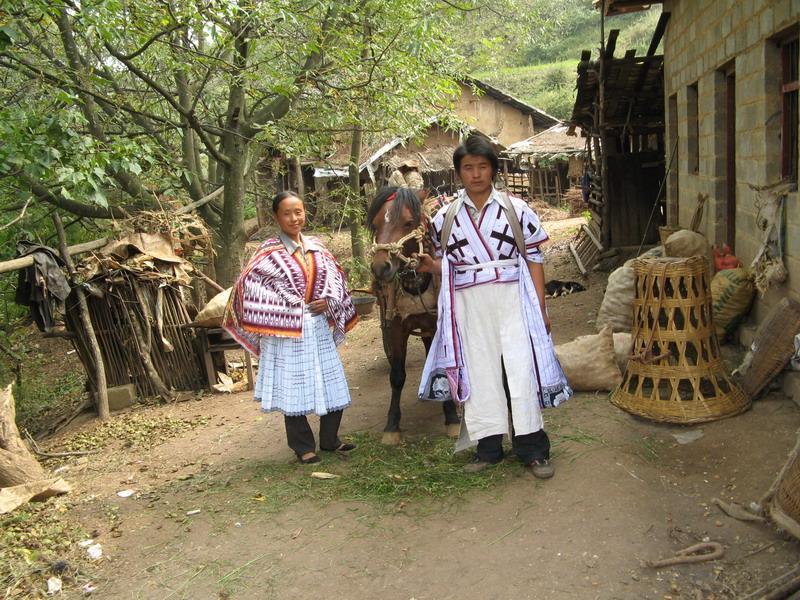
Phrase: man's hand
(317,307)
(427,263)
(546,319)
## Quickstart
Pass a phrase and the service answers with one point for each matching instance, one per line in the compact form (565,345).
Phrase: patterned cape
(274,288)
(489,241)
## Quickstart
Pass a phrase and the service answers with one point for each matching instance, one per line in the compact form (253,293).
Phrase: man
(493,339)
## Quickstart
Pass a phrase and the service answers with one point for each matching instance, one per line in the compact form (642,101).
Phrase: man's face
(476,174)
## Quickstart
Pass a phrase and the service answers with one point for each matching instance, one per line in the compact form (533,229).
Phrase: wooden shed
(620,108)
(545,165)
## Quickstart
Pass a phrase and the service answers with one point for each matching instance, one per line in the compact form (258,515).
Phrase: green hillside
(551,55)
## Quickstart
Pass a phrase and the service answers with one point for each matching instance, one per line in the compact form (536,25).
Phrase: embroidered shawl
(489,240)
(274,288)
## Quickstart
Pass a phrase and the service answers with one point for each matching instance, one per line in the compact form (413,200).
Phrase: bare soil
(625,492)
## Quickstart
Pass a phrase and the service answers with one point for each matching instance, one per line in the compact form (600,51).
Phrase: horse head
(399,228)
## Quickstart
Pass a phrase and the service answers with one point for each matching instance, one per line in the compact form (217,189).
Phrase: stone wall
(704,41)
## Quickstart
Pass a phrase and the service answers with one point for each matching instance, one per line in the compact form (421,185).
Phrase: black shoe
(344,447)
(310,460)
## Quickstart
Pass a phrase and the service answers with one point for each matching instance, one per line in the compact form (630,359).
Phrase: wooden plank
(577,258)
(595,241)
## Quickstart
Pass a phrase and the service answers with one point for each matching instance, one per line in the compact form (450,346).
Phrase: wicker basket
(783,501)
(676,373)
(774,346)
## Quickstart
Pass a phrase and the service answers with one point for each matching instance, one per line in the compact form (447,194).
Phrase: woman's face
(291,216)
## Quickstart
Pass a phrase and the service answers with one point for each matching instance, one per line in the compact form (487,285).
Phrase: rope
(395,249)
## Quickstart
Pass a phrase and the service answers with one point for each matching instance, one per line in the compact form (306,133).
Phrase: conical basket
(676,373)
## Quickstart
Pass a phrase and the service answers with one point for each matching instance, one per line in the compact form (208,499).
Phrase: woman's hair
(281,196)
(476,145)
(402,196)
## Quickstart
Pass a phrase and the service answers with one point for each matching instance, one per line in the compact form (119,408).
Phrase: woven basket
(774,346)
(783,501)
(676,373)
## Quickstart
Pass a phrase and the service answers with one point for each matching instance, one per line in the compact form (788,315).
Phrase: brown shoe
(476,465)
(541,468)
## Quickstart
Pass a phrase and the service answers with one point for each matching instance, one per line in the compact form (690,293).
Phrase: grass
(419,470)
(36,542)
(377,474)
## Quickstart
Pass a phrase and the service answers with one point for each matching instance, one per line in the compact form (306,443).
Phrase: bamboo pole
(27,261)
(101,398)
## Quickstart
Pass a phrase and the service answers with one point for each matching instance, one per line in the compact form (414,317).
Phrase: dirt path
(625,491)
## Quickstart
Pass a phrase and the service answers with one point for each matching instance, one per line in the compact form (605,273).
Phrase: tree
(139,101)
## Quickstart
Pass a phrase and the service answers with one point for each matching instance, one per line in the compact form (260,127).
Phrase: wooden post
(558,185)
(101,399)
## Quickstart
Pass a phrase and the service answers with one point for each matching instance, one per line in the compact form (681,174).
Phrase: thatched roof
(548,143)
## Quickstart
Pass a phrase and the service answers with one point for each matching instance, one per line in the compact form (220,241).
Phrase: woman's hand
(318,307)
(427,263)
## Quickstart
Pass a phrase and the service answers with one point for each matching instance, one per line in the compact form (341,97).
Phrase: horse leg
(452,422)
(397,379)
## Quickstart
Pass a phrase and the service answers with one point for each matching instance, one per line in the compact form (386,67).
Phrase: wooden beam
(612,42)
(27,261)
(661,26)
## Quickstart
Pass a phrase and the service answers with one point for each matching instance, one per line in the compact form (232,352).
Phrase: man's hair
(476,145)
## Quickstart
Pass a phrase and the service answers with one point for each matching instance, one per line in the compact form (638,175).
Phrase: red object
(725,259)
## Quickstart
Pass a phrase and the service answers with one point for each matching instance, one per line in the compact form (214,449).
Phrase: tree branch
(19,217)
(190,116)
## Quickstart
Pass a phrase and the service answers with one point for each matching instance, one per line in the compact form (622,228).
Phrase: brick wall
(706,40)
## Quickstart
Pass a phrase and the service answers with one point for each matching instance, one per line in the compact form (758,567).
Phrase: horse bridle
(395,249)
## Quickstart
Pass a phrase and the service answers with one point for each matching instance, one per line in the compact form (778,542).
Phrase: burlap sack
(616,309)
(214,310)
(732,292)
(589,364)
(686,243)
(623,344)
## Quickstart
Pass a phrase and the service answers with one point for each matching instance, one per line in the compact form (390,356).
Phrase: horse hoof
(391,438)
(454,430)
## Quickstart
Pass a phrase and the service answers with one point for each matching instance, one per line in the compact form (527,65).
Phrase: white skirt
(300,376)
(493,333)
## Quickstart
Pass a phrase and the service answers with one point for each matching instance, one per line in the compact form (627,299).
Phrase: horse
(401,227)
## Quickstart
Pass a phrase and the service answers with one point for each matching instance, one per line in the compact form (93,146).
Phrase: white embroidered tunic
(481,251)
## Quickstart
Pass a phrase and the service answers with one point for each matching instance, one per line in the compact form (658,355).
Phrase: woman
(493,343)
(292,308)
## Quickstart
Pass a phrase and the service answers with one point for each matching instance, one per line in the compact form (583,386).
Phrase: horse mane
(405,198)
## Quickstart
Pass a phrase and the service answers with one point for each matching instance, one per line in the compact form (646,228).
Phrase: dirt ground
(625,491)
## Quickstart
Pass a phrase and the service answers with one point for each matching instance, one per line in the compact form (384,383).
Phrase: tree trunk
(101,391)
(356,240)
(17,464)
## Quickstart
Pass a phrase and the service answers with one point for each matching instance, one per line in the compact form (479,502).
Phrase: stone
(121,396)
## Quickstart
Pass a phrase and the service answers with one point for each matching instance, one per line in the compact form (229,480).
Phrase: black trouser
(527,447)
(301,438)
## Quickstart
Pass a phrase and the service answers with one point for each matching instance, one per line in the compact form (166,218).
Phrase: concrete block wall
(705,39)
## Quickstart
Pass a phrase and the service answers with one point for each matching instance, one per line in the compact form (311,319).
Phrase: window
(693,130)
(789,122)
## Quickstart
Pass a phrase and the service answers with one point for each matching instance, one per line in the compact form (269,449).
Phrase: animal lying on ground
(555,288)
